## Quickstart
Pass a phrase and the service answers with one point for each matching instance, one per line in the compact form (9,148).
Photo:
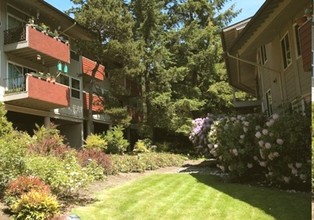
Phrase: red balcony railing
(36,93)
(27,42)
(97,103)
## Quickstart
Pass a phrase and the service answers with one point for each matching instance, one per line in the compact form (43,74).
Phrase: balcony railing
(14,35)
(15,84)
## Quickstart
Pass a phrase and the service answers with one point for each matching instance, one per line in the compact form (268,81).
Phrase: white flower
(215,145)
(222,168)
(262,154)
(286,179)
(275,116)
(230,168)
(233,118)
(220,157)
(249,165)
(267,145)
(270,173)
(255,158)
(262,163)
(246,123)
(261,143)
(245,129)
(271,134)
(242,136)
(258,134)
(235,152)
(298,165)
(290,165)
(302,176)
(294,171)
(270,122)
(270,156)
(210,146)
(279,141)
(265,131)
(276,154)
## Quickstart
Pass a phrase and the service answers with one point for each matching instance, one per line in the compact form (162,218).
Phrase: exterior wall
(288,84)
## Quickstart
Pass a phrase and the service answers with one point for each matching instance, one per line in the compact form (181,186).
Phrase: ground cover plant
(196,196)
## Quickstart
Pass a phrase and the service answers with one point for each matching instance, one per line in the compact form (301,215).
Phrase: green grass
(184,196)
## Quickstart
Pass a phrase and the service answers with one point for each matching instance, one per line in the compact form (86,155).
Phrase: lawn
(195,196)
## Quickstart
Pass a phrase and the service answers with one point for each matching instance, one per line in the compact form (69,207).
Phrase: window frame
(286,50)
(297,40)
(269,102)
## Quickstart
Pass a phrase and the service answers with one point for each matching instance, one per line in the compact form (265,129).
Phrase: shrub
(142,146)
(117,144)
(65,177)
(12,152)
(5,125)
(285,149)
(48,141)
(95,141)
(21,185)
(231,140)
(35,206)
(85,156)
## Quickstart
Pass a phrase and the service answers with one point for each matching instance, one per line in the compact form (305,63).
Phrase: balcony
(27,42)
(36,93)
(89,66)
(97,103)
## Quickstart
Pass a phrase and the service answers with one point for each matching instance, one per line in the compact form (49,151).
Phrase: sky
(249,7)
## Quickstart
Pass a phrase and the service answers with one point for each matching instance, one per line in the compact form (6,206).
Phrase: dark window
(286,53)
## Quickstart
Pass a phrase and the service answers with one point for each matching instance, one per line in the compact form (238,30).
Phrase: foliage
(117,144)
(36,205)
(48,141)
(312,147)
(95,141)
(86,156)
(275,150)
(119,116)
(12,153)
(21,185)
(65,176)
(5,125)
(146,161)
(142,146)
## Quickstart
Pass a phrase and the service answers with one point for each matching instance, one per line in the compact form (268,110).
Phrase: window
(16,76)
(269,103)
(75,88)
(286,53)
(297,40)
(263,55)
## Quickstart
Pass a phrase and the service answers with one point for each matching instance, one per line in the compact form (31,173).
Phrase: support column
(47,122)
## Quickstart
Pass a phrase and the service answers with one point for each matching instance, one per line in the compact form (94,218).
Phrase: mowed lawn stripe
(184,196)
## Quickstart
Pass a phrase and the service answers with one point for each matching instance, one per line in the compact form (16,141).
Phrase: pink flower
(267,145)
(249,165)
(258,134)
(265,131)
(279,141)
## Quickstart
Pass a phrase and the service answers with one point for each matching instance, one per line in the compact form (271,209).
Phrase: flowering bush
(231,141)
(200,128)
(284,144)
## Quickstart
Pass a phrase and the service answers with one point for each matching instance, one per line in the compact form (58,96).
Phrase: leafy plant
(117,144)
(21,185)
(35,206)
(142,146)
(95,141)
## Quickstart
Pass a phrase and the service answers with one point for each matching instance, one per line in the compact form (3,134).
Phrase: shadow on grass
(279,204)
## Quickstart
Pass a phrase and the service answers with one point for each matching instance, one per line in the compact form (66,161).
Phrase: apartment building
(269,55)
(42,77)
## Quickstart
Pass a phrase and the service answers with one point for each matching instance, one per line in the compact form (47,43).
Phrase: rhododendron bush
(276,150)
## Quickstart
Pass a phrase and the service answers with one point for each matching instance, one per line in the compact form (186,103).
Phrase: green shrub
(142,146)
(146,161)
(284,144)
(35,206)
(5,125)
(12,152)
(64,176)
(21,185)
(95,141)
(117,144)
